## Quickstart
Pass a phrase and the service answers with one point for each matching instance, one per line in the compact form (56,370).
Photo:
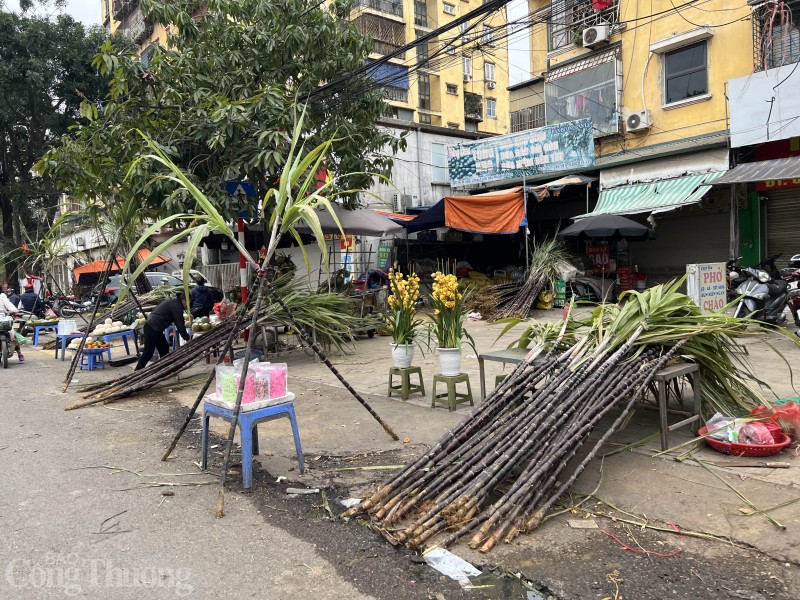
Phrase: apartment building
(450,89)
(652,77)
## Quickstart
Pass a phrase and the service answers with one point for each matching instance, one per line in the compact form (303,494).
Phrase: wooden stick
(220,511)
(231,337)
(327,362)
(77,357)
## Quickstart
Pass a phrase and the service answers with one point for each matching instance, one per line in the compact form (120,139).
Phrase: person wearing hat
(30,301)
(168,312)
(10,308)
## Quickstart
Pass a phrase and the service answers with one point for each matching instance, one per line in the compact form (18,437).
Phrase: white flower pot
(402,355)
(450,361)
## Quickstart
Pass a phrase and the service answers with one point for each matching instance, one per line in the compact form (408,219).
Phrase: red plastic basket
(745,449)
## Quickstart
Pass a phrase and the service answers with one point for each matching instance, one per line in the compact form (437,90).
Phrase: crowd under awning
(764,170)
(656,196)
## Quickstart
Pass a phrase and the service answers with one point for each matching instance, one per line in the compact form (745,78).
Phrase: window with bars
(452,88)
(569,17)
(422,50)
(776,35)
(424,91)
(531,117)
(420,13)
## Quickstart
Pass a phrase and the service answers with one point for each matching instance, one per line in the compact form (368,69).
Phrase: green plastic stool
(406,388)
(452,397)
(499,379)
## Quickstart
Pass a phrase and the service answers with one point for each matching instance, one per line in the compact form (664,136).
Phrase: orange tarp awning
(98,266)
(493,212)
(394,215)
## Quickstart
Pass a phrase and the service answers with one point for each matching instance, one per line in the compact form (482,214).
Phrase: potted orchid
(401,319)
(449,315)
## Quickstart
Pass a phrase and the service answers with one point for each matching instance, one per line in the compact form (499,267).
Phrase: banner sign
(550,149)
(706,285)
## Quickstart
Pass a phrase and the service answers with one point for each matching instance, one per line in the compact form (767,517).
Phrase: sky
(88,12)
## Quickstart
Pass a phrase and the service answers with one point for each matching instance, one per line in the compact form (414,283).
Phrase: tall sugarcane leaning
(500,470)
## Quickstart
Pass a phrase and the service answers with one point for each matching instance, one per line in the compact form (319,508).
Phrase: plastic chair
(248,430)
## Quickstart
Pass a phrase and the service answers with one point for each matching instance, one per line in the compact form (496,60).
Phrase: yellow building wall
(729,55)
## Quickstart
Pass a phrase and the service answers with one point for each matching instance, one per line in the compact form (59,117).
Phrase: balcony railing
(384,48)
(571,17)
(385,6)
(396,94)
(121,8)
(775,43)
(473,107)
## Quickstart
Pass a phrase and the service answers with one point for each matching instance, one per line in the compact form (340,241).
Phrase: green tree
(45,74)
(220,102)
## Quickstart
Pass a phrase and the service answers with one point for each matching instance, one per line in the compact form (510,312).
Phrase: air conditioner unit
(492,84)
(638,121)
(406,200)
(467,77)
(596,35)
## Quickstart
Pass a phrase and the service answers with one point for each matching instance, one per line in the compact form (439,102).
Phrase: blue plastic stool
(248,429)
(93,360)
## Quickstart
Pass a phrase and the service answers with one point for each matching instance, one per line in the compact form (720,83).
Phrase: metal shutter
(783,221)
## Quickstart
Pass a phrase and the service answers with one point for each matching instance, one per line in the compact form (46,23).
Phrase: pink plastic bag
(755,433)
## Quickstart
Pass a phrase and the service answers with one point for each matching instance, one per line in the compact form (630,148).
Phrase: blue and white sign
(240,188)
(550,149)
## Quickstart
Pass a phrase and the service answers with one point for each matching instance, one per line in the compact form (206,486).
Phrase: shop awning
(654,197)
(498,212)
(430,219)
(98,266)
(765,170)
(396,217)
(359,221)
(553,188)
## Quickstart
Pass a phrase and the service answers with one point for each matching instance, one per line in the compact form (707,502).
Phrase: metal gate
(783,218)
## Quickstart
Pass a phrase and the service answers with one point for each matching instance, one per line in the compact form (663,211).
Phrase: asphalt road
(81,515)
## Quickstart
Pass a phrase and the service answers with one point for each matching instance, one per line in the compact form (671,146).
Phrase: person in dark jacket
(200,302)
(30,301)
(12,296)
(165,314)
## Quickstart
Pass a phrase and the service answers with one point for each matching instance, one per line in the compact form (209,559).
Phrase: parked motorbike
(761,297)
(7,342)
(65,306)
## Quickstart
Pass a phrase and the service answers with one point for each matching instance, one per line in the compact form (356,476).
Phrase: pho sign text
(706,285)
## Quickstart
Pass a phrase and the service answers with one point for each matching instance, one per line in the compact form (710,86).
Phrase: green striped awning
(658,196)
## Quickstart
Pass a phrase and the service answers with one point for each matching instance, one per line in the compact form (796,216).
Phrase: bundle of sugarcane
(168,366)
(326,314)
(547,261)
(489,300)
(502,468)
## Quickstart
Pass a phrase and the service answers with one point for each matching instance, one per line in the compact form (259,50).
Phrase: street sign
(240,188)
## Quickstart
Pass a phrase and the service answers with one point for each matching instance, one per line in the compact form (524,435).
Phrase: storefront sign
(705,284)
(347,243)
(550,149)
(383,258)
(600,255)
(776,184)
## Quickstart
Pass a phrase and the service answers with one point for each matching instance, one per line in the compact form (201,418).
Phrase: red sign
(600,255)
(625,276)
(773,150)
